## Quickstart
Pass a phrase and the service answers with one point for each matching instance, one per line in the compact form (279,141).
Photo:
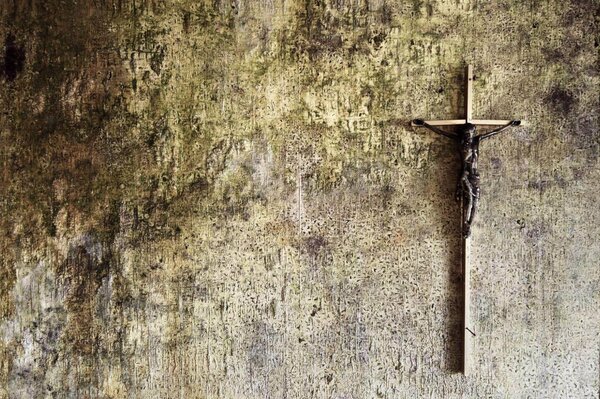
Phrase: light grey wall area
(225,199)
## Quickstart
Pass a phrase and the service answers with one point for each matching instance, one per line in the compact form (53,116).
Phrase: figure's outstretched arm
(421,122)
(500,129)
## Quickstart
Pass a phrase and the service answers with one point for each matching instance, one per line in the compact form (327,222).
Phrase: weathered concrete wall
(223,199)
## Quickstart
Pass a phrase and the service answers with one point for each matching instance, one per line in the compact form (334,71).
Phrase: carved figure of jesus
(468,146)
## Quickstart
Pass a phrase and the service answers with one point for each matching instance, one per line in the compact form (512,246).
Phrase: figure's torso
(469,149)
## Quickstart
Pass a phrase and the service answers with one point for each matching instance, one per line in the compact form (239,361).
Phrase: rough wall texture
(224,199)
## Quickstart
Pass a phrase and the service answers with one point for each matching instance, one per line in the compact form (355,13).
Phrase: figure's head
(469,130)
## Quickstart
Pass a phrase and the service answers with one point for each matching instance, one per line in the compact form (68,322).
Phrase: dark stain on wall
(314,245)
(14,58)
(87,264)
(561,100)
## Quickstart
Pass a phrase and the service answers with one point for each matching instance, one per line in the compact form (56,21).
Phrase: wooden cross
(468,191)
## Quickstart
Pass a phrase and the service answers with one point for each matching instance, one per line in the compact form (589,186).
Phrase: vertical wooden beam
(469,95)
(468,328)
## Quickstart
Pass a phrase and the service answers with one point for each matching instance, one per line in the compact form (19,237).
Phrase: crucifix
(467,142)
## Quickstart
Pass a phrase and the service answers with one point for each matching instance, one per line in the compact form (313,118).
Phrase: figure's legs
(473,185)
(475,203)
(459,190)
(460,186)
(468,207)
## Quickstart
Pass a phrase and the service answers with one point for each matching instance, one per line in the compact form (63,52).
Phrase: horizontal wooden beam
(490,122)
(482,122)
(444,123)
